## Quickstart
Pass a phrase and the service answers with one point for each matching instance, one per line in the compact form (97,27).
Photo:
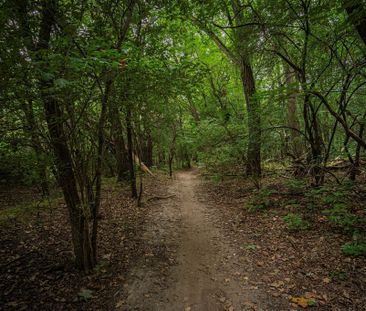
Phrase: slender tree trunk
(170,162)
(293,121)
(95,204)
(313,131)
(121,153)
(37,147)
(356,163)
(130,153)
(149,150)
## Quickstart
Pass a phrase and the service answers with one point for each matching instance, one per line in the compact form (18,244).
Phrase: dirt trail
(192,265)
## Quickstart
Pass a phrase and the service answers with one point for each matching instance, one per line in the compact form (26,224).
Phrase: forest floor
(191,246)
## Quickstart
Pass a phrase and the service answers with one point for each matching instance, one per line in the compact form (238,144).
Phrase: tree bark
(130,153)
(37,147)
(121,153)
(254,121)
(66,176)
(292,119)
(357,16)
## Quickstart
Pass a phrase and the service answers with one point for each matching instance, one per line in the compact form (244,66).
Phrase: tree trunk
(120,146)
(356,163)
(95,204)
(66,176)
(357,15)
(149,151)
(253,167)
(130,154)
(254,120)
(171,157)
(313,131)
(292,119)
(37,147)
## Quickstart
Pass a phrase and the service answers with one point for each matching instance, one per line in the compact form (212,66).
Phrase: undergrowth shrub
(356,248)
(296,185)
(260,200)
(295,222)
(340,215)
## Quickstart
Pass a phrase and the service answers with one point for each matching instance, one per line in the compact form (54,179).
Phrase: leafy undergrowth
(36,268)
(303,244)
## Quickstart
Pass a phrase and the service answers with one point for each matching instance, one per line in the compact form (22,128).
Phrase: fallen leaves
(307,300)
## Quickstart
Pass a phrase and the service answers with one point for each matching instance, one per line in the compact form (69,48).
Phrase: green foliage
(23,211)
(295,222)
(260,200)
(312,302)
(296,185)
(251,247)
(339,275)
(357,248)
(340,215)
(216,178)
(85,294)
(17,165)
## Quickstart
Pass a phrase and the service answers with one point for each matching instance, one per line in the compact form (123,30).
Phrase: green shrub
(354,249)
(296,185)
(340,215)
(339,276)
(295,222)
(260,201)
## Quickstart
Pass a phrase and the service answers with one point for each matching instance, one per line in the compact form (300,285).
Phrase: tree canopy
(102,88)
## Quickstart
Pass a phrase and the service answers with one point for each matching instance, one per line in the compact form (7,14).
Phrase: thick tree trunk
(130,154)
(254,120)
(253,167)
(357,15)
(66,177)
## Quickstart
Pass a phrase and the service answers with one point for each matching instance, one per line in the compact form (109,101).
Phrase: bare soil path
(193,265)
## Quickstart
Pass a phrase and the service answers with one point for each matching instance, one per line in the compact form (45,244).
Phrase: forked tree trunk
(66,177)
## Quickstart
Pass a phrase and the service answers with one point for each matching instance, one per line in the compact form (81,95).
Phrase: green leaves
(354,249)
(85,294)
(295,222)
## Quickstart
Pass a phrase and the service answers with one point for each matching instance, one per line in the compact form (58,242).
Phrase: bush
(17,165)
(261,200)
(354,249)
(340,215)
(295,222)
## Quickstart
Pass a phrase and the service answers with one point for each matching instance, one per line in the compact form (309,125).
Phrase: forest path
(192,265)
